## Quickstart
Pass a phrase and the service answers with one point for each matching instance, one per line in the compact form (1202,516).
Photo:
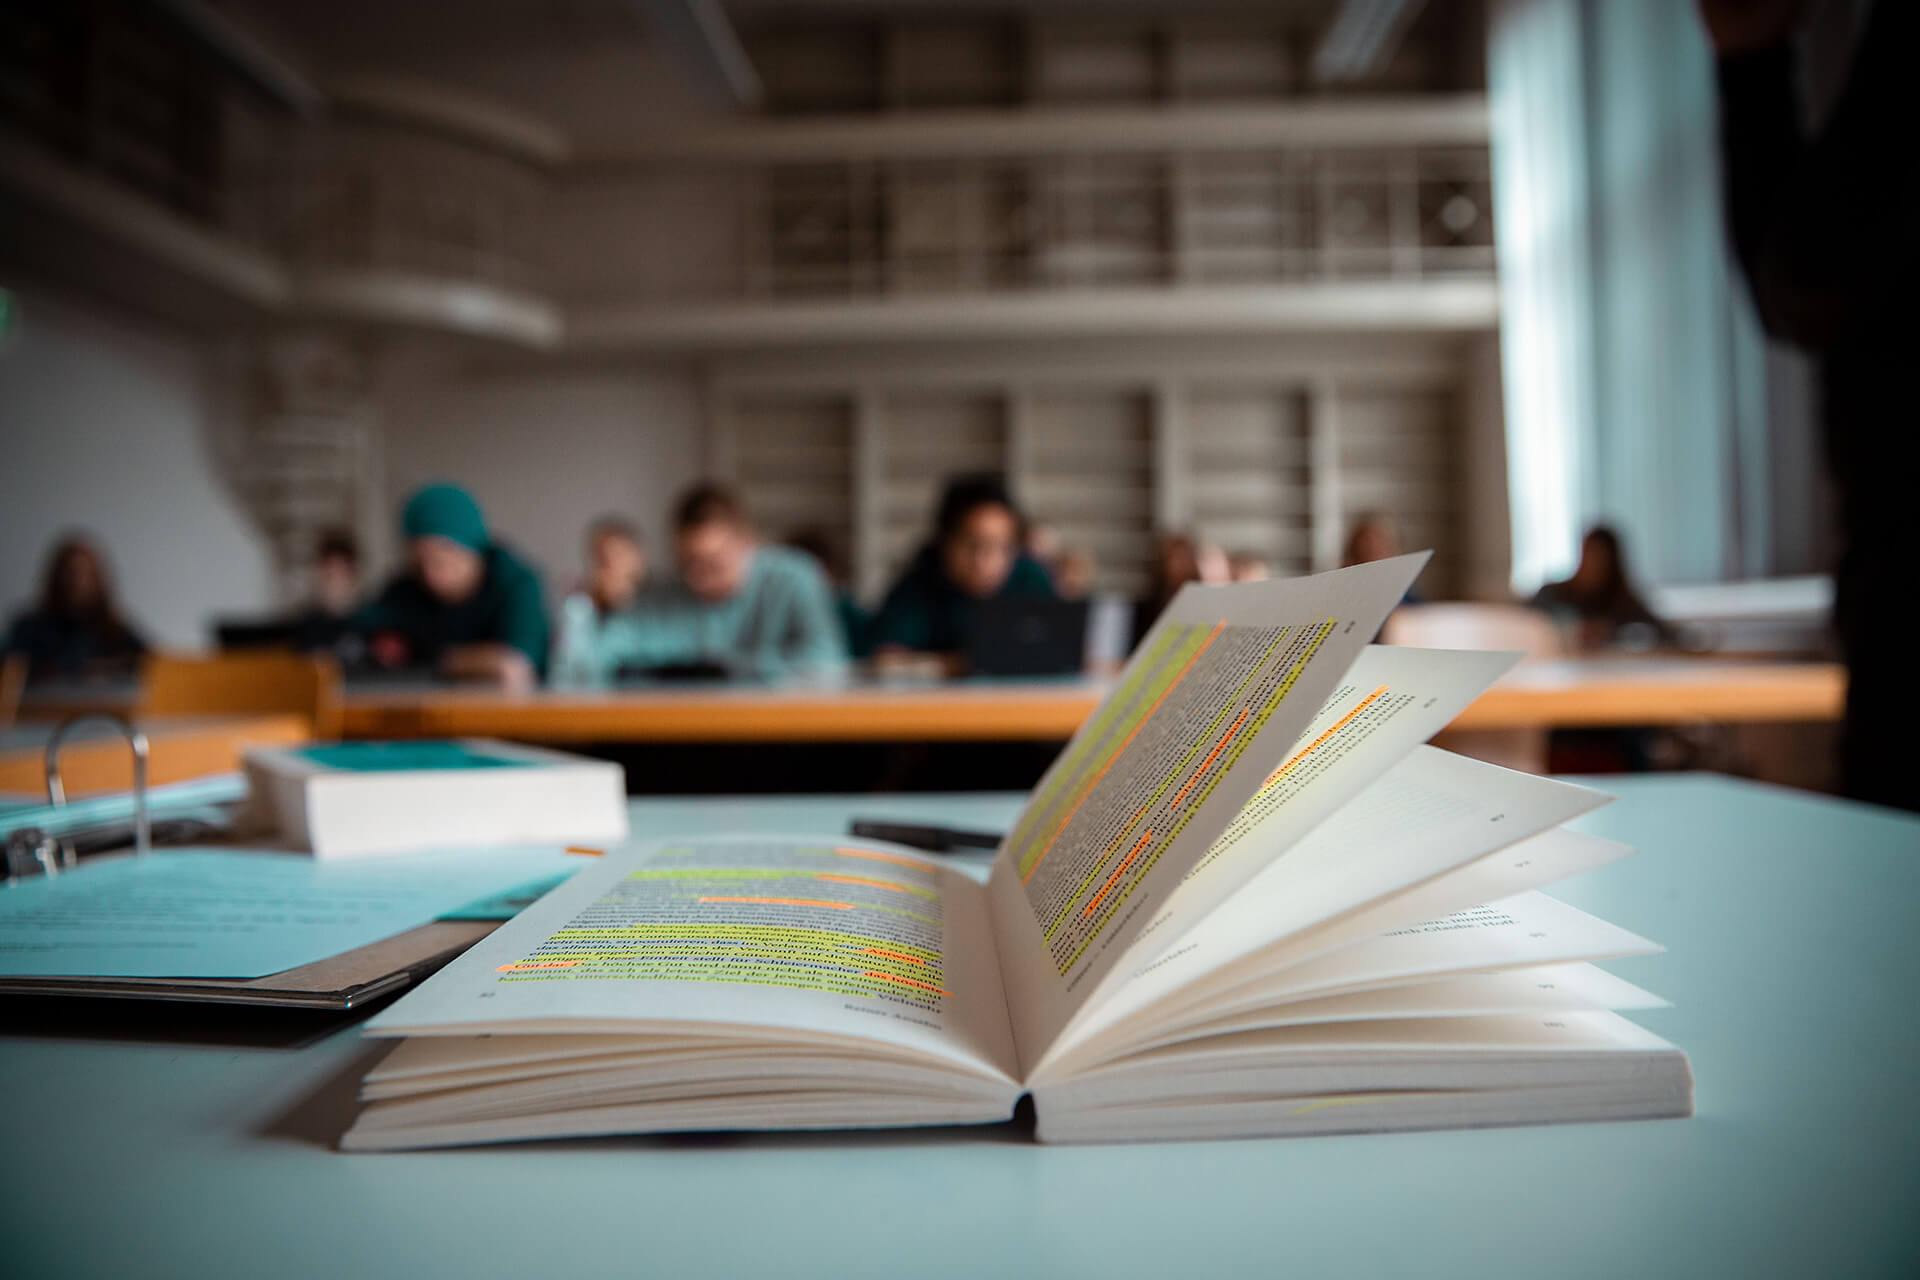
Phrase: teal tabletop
(1793,962)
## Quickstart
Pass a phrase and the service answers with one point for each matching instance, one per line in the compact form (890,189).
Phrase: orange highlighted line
(1212,755)
(871,884)
(538,964)
(906,982)
(893,955)
(1118,872)
(790,902)
(1140,724)
(1338,725)
(881,857)
(585,852)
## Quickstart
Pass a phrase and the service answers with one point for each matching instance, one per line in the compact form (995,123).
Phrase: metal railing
(925,226)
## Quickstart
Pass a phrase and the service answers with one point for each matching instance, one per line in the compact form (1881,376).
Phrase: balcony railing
(915,227)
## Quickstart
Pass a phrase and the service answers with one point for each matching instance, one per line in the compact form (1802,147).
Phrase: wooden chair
(13,685)
(238,683)
(1483,626)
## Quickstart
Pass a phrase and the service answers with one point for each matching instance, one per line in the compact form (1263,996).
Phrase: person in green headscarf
(465,605)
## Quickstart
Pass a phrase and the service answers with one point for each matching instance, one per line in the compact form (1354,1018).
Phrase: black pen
(930,838)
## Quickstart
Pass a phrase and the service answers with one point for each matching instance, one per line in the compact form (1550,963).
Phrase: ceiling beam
(1362,37)
(245,55)
(702,41)
(1402,121)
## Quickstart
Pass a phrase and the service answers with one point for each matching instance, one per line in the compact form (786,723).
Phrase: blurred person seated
(1180,558)
(1245,566)
(616,570)
(1042,544)
(1110,614)
(855,620)
(1598,607)
(1374,536)
(466,606)
(616,564)
(737,608)
(1074,574)
(75,631)
(327,621)
(975,555)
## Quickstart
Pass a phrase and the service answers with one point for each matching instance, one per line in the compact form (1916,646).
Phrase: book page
(1390,702)
(1426,816)
(1340,1058)
(1527,929)
(1542,989)
(741,935)
(1205,711)
(1533,863)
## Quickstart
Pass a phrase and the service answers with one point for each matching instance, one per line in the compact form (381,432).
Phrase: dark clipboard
(349,980)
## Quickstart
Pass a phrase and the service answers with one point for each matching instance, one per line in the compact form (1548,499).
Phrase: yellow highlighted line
(1279,695)
(1093,871)
(1118,872)
(1338,725)
(1091,741)
(1142,723)
(891,955)
(1212,755)
(905,982)
(881,857)
(874,884)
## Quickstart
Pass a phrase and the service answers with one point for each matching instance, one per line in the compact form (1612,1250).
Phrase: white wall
(108,424)
(105,425)
(544,451)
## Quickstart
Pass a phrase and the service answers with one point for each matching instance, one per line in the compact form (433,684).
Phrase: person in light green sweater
(754,611)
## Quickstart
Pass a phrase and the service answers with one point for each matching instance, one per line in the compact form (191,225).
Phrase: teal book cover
(404,757)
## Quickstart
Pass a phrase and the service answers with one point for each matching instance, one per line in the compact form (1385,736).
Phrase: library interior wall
(545,452)
(108,424)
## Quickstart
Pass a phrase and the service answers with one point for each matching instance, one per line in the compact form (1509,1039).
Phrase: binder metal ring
(57,790)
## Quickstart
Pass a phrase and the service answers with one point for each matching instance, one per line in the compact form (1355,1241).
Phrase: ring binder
(57,790)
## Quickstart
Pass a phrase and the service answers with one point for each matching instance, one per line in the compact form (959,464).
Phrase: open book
(1246,900)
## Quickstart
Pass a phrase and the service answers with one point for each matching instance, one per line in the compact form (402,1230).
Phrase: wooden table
(1037,711)
(1561,693)
(62,699)
(179,748)
(1571,693)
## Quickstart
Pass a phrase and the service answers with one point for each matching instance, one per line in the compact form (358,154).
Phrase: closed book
(358,799)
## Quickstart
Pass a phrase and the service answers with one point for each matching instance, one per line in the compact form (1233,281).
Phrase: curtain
(1635,376)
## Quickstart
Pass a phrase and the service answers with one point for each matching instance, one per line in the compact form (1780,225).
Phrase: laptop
(278,633)
(1028,636)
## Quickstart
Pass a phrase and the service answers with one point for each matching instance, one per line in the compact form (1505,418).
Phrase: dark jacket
(926,612)
(507,609)
(60,648)
(1823,225)
(1621,609)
